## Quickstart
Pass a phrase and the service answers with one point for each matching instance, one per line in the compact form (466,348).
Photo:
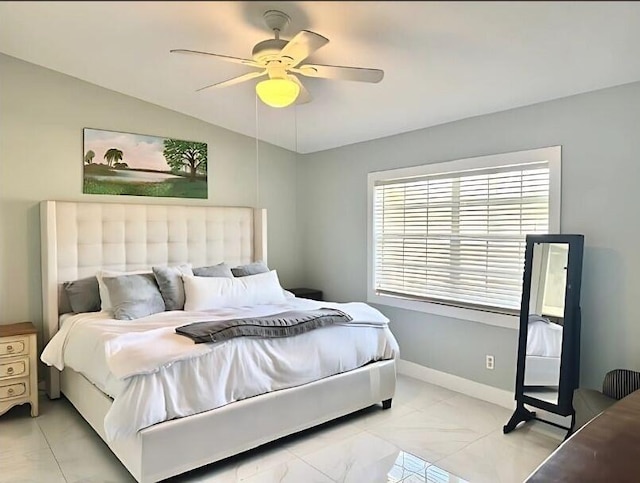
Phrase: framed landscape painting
(118,163)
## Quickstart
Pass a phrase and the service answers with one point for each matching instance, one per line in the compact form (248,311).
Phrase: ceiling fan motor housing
(268,50)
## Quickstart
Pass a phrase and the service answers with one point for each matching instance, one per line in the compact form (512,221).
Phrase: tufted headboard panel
(78,239)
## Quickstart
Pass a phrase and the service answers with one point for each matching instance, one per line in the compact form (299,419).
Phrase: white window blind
(458,238)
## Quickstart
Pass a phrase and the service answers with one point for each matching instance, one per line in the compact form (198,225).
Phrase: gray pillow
(219,270)
(83,295)
(169,281)
(250,269)
(134,296)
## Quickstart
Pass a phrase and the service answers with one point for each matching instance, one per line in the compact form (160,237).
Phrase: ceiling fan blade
(235,80)
(304,95)
(228,58)
(302,46)
(340,73)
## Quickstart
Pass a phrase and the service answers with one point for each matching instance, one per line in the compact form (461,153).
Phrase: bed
(544,346)
(78,239)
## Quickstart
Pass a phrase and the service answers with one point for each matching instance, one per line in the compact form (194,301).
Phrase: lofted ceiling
(443,61)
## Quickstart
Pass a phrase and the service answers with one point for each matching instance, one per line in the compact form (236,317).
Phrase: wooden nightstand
(18,366)
(307,293)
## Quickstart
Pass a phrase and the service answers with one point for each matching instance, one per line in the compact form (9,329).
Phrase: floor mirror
(549,338)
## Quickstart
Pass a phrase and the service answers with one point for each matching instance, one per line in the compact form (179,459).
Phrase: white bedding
(544,339)
(144,364)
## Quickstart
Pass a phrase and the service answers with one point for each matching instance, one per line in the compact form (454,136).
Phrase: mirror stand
(549,338)
(522,414)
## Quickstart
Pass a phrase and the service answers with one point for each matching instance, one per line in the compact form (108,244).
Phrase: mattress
(144,364)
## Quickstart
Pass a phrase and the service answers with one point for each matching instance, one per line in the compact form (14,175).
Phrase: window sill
(489,318)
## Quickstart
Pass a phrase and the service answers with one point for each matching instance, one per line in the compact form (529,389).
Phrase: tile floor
(430,435)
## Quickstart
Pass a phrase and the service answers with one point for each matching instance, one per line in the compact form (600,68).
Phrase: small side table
(307,293)
(18,366)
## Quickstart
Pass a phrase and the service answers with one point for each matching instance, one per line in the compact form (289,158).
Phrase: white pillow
(206,293)
(105,301)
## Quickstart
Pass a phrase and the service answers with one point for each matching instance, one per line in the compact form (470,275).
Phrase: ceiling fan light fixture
(278,92)
(282,60)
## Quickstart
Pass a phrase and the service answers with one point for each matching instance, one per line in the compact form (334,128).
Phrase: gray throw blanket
(284,324)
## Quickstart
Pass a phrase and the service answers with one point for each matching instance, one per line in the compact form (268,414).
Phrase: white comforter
(144,364)
(544,339)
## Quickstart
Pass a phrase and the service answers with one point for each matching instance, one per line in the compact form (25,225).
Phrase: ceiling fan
(280,60)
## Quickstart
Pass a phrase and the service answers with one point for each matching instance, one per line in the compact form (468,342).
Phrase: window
(452,235)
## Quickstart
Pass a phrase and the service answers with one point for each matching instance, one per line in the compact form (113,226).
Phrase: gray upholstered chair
(588,403)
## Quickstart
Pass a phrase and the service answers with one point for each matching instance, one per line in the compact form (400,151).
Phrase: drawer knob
(10,370)
(9,348)
(10,391)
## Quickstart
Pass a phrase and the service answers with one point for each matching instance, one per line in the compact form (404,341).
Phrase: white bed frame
(80,238)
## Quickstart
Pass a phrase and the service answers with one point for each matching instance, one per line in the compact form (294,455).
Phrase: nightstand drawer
(14,346)
(17,368)
(10,390)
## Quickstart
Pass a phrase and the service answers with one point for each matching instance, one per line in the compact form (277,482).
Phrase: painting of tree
(187,155)
(113,155)
(88,157)
(116,163)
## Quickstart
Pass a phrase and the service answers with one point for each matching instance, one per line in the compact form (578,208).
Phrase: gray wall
(598,132)
(317,206)
(42,114)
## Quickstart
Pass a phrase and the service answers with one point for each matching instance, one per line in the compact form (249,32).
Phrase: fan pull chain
(257,158)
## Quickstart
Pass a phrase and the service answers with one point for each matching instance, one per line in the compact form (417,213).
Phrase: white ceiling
(443,61)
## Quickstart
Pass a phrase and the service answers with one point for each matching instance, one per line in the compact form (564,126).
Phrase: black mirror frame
(570,357)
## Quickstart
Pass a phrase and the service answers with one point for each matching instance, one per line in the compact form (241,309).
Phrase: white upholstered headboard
(78,239)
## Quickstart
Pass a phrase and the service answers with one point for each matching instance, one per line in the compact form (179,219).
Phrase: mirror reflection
(546,319)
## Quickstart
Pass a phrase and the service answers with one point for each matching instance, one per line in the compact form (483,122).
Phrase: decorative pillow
(83,295)
(169,281)
(105,302)
(134,296)
(219,270)
(250,269)
(206,293)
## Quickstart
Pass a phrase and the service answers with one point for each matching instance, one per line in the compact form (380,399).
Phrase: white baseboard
(481,391)
(459,384)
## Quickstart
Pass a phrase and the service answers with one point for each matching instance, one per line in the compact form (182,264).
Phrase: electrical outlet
(490,362)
